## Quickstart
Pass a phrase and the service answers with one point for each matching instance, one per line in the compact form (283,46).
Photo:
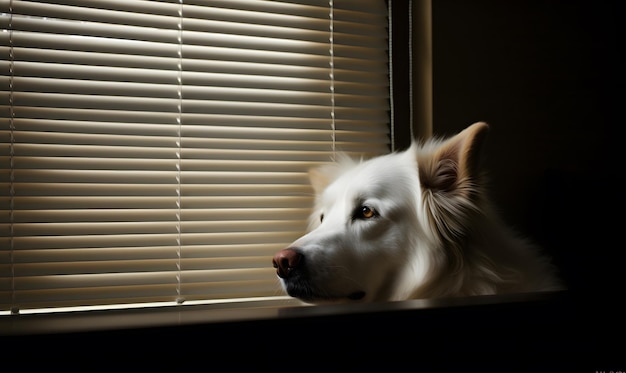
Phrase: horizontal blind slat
(197,200)
(150,239)
(151,226)
(230,252)
(78,29)
(29,39)
(209,267)
(58,188)
(153,215)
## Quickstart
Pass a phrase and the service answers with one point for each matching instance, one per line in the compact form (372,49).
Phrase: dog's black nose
(286,261)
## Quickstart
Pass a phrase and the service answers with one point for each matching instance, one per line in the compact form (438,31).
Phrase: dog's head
(378,226)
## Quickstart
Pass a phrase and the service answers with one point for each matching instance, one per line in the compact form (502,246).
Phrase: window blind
(156,152)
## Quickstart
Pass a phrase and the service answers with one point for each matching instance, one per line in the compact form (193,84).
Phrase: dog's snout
(285,261)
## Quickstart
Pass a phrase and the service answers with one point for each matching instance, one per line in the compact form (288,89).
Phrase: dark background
(548,76)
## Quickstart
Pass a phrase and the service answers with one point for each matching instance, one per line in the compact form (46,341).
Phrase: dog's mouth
(353,297)
(358,295)
(313,295)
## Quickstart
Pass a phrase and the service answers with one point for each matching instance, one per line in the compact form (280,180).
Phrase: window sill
(273,310)
(533,332)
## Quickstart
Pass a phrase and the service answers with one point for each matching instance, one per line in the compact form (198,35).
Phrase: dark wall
(548,77)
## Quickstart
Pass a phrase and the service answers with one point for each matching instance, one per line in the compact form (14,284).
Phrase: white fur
(435,234)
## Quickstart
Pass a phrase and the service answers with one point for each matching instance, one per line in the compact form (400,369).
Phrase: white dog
(406,225)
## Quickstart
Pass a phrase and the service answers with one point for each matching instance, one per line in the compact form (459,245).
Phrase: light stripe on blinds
(157,151)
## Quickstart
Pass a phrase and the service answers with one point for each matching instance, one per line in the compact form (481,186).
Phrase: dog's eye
(364,212)
(321,218)
(367,212)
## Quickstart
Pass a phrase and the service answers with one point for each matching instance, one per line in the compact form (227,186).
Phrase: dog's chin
(321,300)
(313,296)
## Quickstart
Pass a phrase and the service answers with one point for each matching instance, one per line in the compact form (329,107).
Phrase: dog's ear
(449,175)
(451,164)
(321,176)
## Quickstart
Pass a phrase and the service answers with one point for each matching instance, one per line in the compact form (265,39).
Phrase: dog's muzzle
(290,267)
